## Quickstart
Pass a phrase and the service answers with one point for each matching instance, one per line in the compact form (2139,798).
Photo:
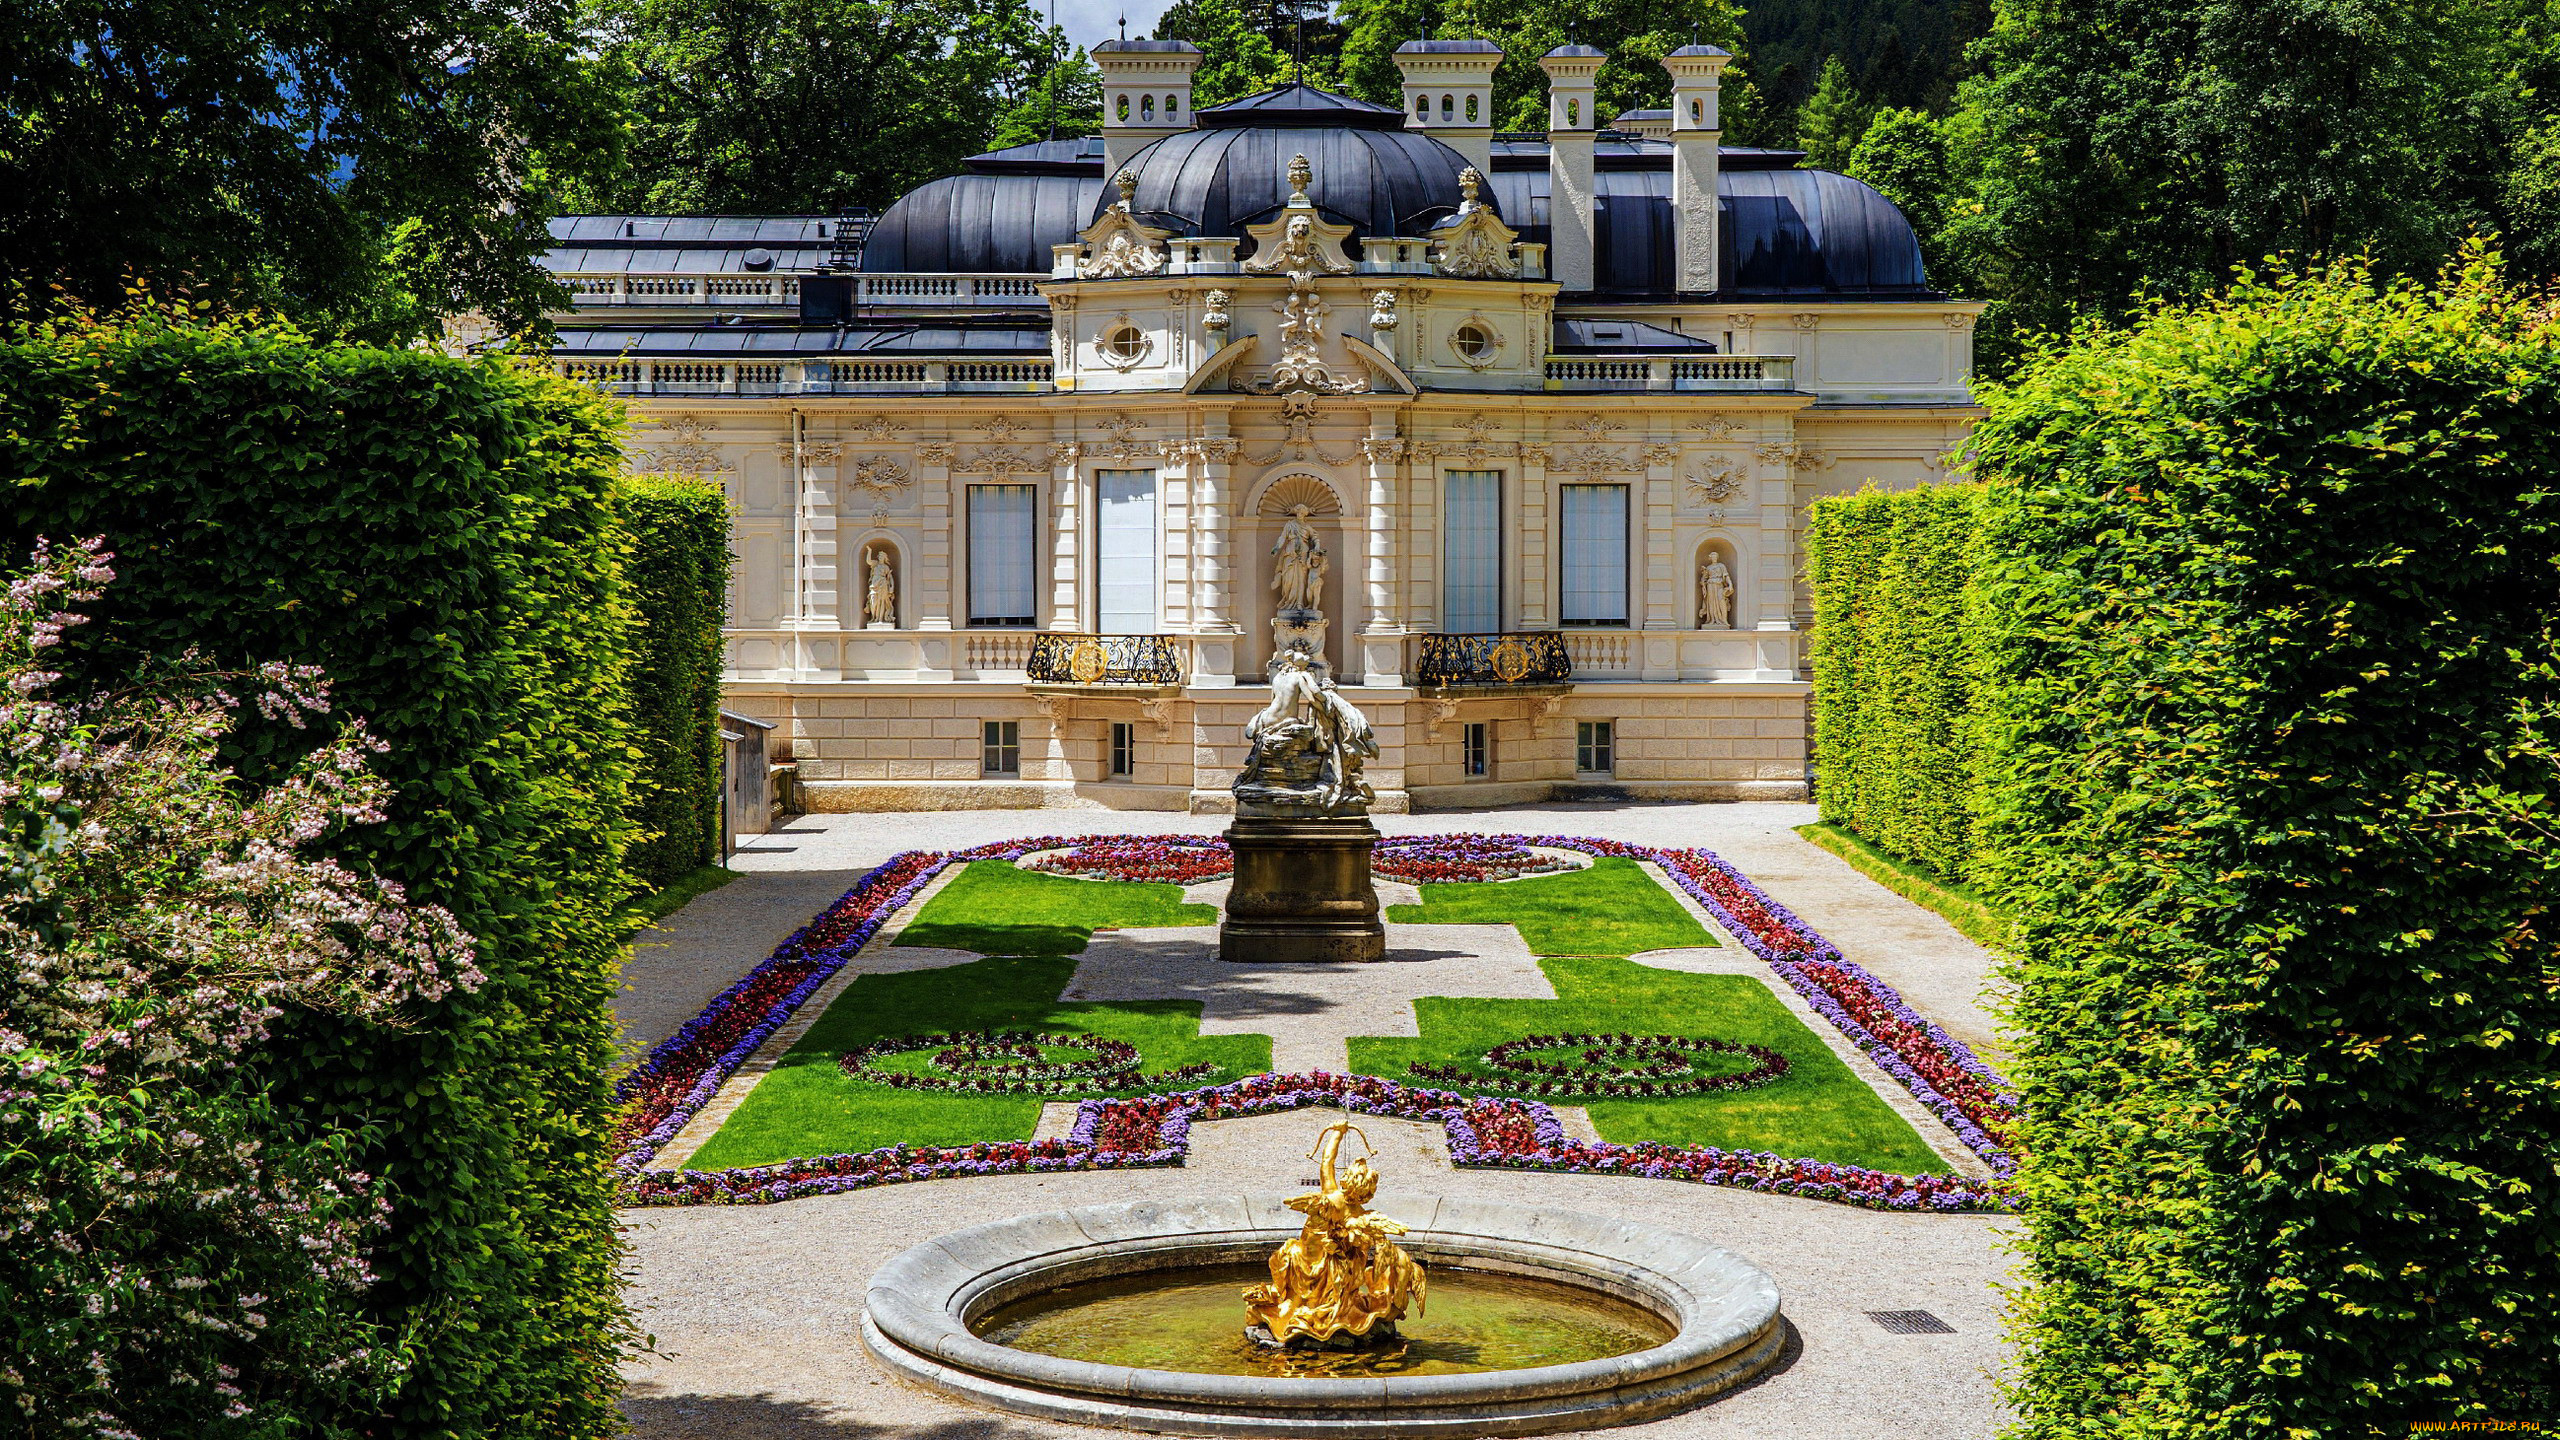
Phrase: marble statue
(1305,749)
(880,593)
(1344,1282)
(1715,594)
(1298,563)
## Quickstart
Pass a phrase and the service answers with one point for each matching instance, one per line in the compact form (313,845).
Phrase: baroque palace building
(1034,473)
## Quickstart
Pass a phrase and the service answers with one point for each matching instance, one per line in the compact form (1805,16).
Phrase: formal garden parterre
(1490,1119)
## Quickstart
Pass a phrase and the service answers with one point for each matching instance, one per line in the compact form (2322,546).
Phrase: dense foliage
(801,106)
(1894,733)
(442,539)
(1635,33)
(363,167)
(678,572)
(1897,52)
(180,1263)
(2273,684)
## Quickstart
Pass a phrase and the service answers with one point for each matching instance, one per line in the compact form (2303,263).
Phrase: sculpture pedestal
(1305,628)
(1302,892)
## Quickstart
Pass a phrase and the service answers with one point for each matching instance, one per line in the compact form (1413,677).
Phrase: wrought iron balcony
(1535,657)
(1103,660)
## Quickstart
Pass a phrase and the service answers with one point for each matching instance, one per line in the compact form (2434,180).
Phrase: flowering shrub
(682,1073)
(178,1258)
(1616,1067)
(1011,1062)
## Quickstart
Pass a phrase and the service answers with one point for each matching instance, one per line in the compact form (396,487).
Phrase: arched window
(1120,109)
(1147,109)
(1471,109)
(1698,112)
(1172,106)
(1572,113)
(1421,107)
(1448,107)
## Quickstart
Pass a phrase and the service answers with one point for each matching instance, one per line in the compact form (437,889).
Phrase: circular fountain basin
(936,1314)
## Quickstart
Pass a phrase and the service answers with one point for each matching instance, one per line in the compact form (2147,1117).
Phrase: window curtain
(1471,564)
(1125,551)
(1594,523)
(1002,565)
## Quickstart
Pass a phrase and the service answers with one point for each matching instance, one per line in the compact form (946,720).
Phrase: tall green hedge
(2272,681)
(1895,747)
(679,578)
(443,538)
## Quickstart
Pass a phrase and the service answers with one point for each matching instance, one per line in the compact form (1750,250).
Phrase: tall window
(1595,555)
(1002,563)
(1478,745)
(1471,565)
(1001,747)
(1124,748)
(1125,551)
(1595,746)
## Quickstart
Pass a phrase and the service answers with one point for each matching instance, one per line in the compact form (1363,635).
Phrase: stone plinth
(1302,892)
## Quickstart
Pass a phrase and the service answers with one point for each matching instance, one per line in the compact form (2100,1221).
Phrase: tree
(1904,155)
(1237,57)
(1833,119)
(360,166)
(1065,101)
(809,105)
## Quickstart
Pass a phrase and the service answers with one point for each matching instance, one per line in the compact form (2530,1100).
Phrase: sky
(1090,22)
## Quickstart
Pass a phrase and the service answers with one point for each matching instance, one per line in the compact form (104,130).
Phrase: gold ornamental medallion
(1510,661)
(1087,663)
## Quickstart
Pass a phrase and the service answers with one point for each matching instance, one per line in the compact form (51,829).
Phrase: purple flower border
(864,908)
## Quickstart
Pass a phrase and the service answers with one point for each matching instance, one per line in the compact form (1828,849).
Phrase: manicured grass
(1974,917)
(659,904)
(1611,908)
(806,1106)
(1820,1109)
(996,909)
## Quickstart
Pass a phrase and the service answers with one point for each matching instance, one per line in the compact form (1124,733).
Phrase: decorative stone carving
(1118,245)
(1114,346)
(1477,446)
(1307,747)
(689,453)
(1001,429)
(1003,462)
(1775,453)
(1300,492)
(1300,244)
(1213,321)
(1124,443)
(1715,594)
(1217,449)
(878,429)
(1475,244)
(1716,481)
(880,476)
(1714,427)
(934,453)
(1661,454)
(1443,711)
(1382,310)
(1065,452)
(880,589)
(1382,449)
(1160,712)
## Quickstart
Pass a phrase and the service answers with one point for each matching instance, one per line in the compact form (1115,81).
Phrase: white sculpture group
(1305,749)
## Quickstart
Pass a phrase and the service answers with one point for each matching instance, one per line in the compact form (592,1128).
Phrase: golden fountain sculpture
(1343,1283)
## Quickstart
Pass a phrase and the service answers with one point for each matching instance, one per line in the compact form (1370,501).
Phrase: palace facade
(1034,472)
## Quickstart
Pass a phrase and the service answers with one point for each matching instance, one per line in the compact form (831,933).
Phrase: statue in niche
(1306,748)
(1298,564)
(1715,594)
(880,591)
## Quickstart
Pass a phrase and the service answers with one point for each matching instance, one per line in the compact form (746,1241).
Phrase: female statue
(880,597)
(1715,594)
(1343,1279)
(1298,562)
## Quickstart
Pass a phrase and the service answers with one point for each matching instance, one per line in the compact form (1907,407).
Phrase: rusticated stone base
(1302,892)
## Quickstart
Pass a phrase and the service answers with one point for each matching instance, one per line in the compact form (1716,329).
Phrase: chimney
(1448,94)
(1572,85)
(1146,94)
(1696,135)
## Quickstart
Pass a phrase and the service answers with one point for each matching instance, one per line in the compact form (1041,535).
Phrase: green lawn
(996,909)
(808,1107)
(1819,1109)
(1611,908)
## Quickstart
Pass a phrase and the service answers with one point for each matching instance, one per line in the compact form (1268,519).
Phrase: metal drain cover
(1910,1322)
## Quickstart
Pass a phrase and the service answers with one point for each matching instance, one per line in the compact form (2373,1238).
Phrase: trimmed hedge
(1895,748)
(2273,685)
(443,538)
(678,574)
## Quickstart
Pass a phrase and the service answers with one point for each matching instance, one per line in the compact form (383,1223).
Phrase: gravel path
(755,1307)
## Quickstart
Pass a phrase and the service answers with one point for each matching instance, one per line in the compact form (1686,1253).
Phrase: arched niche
(1715,548)
(1259,529)
(884,543)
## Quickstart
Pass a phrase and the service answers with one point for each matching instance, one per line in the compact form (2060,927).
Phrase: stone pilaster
(1382,637)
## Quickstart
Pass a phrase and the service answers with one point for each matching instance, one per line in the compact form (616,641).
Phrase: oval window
(1126,343)
(1471,109)
(1473,343)
(1121,109)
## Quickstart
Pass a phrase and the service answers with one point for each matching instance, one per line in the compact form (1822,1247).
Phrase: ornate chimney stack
(1696,135)
(1572,84)
(1448,94)
(1146,94)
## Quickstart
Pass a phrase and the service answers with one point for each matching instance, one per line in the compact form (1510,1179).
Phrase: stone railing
(1599,653)
(1664,372)
(1534,657)
(922,374)
(1104,660)
(735,292)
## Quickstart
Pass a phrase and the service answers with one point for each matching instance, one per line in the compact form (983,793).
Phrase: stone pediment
(1119,244)
(1474,244)
(1298,242)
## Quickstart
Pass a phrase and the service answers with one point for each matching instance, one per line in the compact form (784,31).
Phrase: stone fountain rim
(918,1304)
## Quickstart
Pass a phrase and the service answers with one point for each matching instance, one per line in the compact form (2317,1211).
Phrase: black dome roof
(1785,232)
(981,223)
(1370,172)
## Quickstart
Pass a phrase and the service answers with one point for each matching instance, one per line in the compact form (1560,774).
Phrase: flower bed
(1011,1062)
(1614,1067)
(1192,859)
(682,1073)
